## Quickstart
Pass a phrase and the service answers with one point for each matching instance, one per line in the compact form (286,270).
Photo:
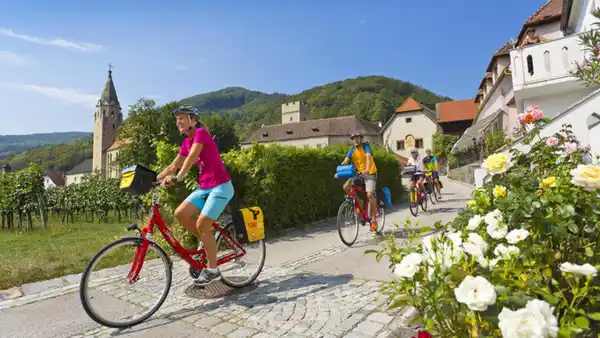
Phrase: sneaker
(373,226)
(207,276)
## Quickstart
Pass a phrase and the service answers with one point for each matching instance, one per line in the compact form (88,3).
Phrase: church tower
(107,119)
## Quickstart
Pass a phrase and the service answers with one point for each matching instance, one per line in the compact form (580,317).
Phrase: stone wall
(464,174)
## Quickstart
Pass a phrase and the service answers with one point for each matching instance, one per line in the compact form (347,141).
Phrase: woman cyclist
(214,192)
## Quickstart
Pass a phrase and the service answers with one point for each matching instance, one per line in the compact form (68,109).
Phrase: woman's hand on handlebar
(168,181)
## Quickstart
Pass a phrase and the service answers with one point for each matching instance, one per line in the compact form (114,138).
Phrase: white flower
(474,222)
(444,254)
(497,230)
(517,235)
(520,324)
(504,252)
(409,265)
(493,217)
(586,176)
(585,269)
(456,238)
(476,292)
(474,238)
(545,312)
(493,262)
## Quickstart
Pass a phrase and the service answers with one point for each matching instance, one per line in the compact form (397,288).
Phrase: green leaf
(399,301)
(567,210)
(371,251)
(573,228)
(582,322)
(589,252)
(594,316)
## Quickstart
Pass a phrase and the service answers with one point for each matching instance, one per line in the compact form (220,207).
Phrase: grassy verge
(62,250)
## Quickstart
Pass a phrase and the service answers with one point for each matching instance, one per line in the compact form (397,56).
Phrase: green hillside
(19,143)
(229,98)
(58,157)
(373,98)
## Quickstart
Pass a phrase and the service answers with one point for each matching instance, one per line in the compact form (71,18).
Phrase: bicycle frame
(354,194)
(185,254)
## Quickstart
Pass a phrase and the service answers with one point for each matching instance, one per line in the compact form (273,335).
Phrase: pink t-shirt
(212,169)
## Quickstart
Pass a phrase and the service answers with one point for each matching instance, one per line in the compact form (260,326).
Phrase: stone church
(107,120)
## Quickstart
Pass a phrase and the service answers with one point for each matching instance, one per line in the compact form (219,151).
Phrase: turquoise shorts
(212,201)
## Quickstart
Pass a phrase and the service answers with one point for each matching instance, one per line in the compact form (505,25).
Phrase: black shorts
(415,177)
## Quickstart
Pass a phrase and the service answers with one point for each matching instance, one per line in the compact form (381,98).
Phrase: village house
(412,126)
(454,117)
(542,71)
(496,109)
(54,179)
(297,129)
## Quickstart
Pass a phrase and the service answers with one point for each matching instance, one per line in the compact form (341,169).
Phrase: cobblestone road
(293,297)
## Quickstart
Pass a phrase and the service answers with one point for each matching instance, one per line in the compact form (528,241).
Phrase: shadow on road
(291,288)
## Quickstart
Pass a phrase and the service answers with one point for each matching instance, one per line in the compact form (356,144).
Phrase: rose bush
(521,260)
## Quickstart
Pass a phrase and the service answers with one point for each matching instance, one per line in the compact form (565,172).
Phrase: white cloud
(182,68)
(68,96)
(57,42)
(13,59)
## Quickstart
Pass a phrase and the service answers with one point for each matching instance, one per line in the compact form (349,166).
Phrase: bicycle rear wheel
(423,203)
(433,196)
(112,289)
(347,222)
(244,270)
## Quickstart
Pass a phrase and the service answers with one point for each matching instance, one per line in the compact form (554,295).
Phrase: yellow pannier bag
(249,225)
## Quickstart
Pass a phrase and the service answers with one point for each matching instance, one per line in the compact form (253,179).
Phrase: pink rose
(569,147)
(538,114)
(551,141)
(531,108)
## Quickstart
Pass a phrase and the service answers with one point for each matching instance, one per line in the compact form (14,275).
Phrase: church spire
(109,94)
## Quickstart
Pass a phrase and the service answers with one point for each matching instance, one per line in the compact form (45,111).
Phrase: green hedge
(293,186)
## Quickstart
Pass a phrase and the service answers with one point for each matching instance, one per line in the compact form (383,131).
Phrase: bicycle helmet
(186,110)
(355,134)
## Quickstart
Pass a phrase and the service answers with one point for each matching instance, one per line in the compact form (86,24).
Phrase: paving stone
(207,322)
(369,328)
(380,317)
(224,328)
(242,332)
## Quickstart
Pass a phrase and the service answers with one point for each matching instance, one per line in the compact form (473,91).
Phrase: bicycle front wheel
(242,271)
(347,222)
(108,295)
(412,202)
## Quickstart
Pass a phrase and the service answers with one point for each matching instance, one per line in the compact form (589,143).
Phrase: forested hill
(19,143)
(371,97)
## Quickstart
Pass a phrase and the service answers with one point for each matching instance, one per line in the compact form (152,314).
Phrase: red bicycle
(141,305)
(351,213)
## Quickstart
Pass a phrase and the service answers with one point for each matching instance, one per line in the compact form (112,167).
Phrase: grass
(62,250)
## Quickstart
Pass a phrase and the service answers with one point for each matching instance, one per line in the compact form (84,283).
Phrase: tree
(443,143)
(588,70)
(222,128)
(494,141)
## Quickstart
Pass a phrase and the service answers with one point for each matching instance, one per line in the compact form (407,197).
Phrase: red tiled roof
(409,105)
(550,11)
(117,144)
(462,110)
(56,177)
(402,160)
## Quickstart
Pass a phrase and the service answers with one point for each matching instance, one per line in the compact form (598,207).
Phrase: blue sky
(54,54)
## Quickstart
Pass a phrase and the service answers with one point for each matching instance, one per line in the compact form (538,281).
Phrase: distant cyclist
(362,157)
(419,174)
(431,163)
